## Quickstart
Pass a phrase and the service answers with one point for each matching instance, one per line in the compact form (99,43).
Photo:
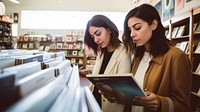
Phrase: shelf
(188,19)
(196,11)
(5,35)
(71,56)
(196,95)
(182,18)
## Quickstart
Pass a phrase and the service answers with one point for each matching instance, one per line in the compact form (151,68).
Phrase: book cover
(30,58)
(91,102)
(31,45)
(180,31)
(35,81)
(123,86)
(174,32)
(25,45)
(74,53)
(198,69)
(197,50)
(24,70)
(41,99)
(73,60)
(59,45)
(25,38)
(184,45)
(65,45)
(59,38)
(8,91)
(46,48)
(41,48)
(197,30)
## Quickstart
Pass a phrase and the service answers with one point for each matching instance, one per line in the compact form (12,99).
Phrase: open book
(123,86)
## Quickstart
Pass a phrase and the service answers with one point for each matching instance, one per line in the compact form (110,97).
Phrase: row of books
(74,53)
(34,87)
(66,45)
(38,38)
(76,61)
(179,31)
(10,58)
(22,79)
(184,46)
(51,97)
(63,46)
(27,45)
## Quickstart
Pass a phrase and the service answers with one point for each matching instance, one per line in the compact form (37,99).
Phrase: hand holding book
(111,94)
(122,87)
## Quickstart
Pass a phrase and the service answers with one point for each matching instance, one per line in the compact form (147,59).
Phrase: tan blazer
(169,77)
(120,62)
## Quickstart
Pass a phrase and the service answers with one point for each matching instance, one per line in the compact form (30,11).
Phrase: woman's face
(100,35)
(141,31)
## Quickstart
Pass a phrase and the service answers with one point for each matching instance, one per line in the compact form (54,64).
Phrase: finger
(100,92)
(152,107)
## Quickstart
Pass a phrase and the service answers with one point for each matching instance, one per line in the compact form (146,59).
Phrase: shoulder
(174,51)
(121,52)
(121,48)
(176,54)
(173,54)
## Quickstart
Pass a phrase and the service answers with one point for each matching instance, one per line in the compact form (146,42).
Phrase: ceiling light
(15,1)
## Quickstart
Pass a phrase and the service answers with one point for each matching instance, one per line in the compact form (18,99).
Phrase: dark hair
(159,44)
(101,21)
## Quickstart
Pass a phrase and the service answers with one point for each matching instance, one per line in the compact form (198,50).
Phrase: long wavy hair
(101,21)
(159,44)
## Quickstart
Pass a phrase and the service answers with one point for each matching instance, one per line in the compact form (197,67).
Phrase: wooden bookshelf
(72,45)
(5,35)
(189,19)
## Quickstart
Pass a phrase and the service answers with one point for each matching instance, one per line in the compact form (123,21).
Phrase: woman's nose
(132,34)
(96,40)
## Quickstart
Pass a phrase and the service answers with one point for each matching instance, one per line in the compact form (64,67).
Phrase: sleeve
(180,85)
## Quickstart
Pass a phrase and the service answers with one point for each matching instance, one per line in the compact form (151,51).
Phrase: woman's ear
(154,24)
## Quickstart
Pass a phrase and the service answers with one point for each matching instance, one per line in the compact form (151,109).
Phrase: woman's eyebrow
(96,31)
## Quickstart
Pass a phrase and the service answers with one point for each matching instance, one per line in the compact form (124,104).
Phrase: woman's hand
(150,101)
(108,96)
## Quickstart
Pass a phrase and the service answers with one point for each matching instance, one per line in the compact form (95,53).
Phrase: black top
(106,59)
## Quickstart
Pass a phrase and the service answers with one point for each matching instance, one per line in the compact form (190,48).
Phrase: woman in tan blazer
(101,36)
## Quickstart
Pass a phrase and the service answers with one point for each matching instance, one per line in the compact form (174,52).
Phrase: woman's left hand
(150,101)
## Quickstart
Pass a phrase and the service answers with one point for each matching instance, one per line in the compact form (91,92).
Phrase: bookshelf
(184,31)
(72,45)
(5,35)
(28,42)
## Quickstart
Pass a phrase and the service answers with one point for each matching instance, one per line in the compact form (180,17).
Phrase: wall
(82,5)
(187,6)
(66,5)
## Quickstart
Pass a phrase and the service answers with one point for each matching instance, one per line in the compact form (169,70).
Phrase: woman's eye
(98,34)
(137,28)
